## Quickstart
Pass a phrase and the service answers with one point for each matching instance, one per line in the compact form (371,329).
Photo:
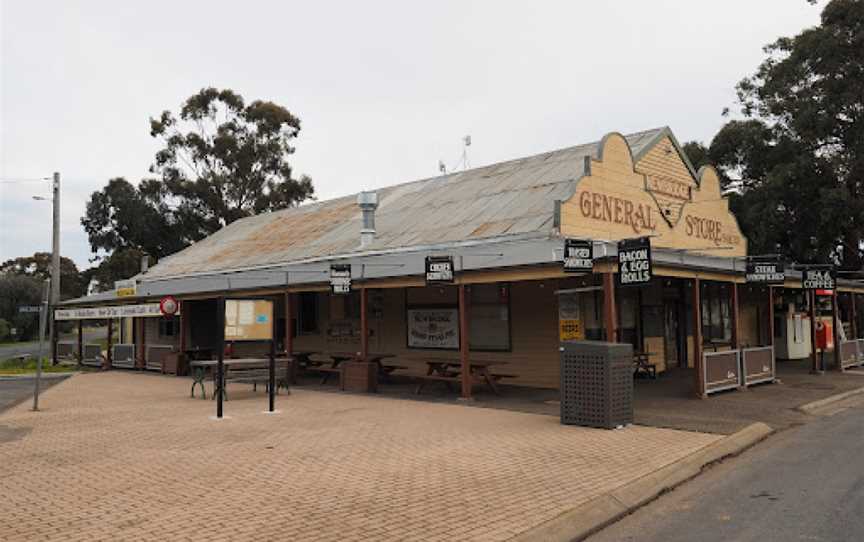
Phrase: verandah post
(463,343)
(610,319)
(364,324)
(698,361)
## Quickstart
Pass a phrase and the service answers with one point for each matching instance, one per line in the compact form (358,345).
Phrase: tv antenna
(463,161)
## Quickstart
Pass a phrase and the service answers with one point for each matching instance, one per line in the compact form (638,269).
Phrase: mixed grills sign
(340,278)
(634,261)
(578,256)
(439,269)
(819,278)
(767,271)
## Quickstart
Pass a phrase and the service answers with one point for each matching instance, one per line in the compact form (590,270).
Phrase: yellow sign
(571,330)
(125,288)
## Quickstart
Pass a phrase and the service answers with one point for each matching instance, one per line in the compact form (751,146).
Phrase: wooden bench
(447,380)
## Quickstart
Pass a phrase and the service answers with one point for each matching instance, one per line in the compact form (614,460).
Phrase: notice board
(248,320)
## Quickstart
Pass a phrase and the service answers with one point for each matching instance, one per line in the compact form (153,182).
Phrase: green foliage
(5,330)
(796,162)
(16,290)
(121,264)
(224,160)
(39,266)
(13,366)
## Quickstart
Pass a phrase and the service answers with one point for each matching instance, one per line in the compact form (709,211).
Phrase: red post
(364,323)
(736,331)
(610,319)
(464,359)
(770,316)
(835,321)
(289,327)
(814,358)
(109,355)
(698,361)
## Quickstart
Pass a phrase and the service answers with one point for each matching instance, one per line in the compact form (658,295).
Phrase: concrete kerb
(590,517)
(815,406)
(32,376)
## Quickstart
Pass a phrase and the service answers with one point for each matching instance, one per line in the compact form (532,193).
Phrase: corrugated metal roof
(508,198)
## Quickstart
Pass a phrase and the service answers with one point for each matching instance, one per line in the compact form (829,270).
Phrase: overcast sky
(384,89)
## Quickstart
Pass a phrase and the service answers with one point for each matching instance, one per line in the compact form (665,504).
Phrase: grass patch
(20,366)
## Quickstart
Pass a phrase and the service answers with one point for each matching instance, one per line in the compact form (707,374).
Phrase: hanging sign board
(819,278)
(169,305)
(433,328)
(439,269)
(578,256)
(145,310)
(634,261)
(765,272)
(248,320)
(340,279)
(125,288)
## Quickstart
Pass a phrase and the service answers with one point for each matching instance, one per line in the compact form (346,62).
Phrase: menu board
(340,279)
(819,278)
(439,269)
(433,328)
(578,256)
(248,320)
(765,272)
(634,261)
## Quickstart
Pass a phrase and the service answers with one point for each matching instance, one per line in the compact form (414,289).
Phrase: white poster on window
(433,328)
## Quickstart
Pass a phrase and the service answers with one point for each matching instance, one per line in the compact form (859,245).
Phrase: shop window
(489,317)
(307,314)
(169,327)
(716,313)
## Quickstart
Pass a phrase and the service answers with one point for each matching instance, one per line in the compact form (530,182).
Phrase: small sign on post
(819,278)
(767,271)
(340,279)
(29,308)
(634,261)
(439,270)
(578,256)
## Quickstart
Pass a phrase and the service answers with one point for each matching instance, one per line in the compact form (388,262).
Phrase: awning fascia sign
(144,310)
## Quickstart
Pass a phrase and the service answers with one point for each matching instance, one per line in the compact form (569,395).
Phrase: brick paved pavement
(123,456)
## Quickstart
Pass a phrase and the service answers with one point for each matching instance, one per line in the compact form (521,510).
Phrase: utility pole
(55,264)
(43,317)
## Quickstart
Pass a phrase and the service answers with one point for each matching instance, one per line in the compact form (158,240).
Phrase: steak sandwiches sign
(634,261)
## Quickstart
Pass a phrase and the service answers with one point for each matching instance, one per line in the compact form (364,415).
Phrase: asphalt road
(806,483)
(15,390)
(32,348)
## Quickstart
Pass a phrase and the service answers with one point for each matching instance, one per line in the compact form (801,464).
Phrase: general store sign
(578,256)
(439,269)
(765,272)
(144,310)
(340,279)
(634,261)
(819,279)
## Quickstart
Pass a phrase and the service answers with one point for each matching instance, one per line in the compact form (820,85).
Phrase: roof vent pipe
(145,263)
(368,202)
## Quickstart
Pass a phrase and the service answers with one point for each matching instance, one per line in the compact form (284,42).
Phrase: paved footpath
(124,456)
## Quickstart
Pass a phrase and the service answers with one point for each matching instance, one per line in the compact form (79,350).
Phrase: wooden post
(610,320)
(109,355)
(141,362)
(80,341)
(464,311)
(698,361)
(736,331)
(853,316)
(814,358)
(289,327)
(770,316)
(835,321)
(364,323)
(184,326)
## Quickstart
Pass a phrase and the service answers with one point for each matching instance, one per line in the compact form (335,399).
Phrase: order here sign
(634,261)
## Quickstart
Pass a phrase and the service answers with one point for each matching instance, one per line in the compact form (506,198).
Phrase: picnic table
(642,364)
(336,359)
(239,370)
(199,353)
(449,371)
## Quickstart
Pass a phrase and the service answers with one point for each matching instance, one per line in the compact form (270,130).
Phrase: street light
(55,256)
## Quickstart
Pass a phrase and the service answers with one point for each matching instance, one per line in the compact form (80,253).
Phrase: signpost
(340,279)
(578,256)
(169,306)
(439,270)
(634,261)
(245,320)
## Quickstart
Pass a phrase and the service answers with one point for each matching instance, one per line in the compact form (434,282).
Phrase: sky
(384,89)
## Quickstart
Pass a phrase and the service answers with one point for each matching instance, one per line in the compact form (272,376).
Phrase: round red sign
(169,305)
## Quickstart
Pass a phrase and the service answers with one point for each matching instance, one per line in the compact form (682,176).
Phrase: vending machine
(792,333)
